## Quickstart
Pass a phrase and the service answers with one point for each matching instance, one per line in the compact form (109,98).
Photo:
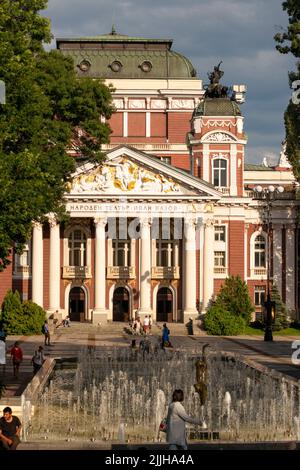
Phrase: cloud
(238,32)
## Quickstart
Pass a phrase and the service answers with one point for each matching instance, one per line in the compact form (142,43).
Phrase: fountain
(121,395)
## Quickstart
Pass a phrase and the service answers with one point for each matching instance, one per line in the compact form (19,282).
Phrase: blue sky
(239,32)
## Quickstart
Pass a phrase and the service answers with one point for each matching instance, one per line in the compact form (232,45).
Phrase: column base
(187,314)
(99,316)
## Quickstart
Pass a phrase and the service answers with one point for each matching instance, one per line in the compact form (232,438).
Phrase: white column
(290,266)
(100,312)
(208,268)
(148,124)
(54,275)
(125,124)
(205,157)
(37,264)
(145,267)
(201,259)
(233,170)
(190,269)
(246,227)
(277,256)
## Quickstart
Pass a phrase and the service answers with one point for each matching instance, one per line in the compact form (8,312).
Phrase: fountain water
(121,395)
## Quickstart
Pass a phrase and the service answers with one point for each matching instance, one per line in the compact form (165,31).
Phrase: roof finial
(113,30)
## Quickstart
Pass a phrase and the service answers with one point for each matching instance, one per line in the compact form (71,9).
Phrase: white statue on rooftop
(265,162)
(283,159)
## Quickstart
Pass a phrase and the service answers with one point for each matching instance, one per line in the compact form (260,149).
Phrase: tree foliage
(234,297)
(288,41)
(220,322)
(21,318)
(281,311)
(47,111)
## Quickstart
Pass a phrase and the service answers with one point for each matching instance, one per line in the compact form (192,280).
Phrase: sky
(239,32)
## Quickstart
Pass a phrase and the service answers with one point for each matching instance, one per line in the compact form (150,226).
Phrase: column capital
(37,225)
(52,220)
(277,226)
(291,226)
(190,221)
(145,222)
(209,222)
(100,221)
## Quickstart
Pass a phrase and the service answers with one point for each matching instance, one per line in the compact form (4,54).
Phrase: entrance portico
(133,220)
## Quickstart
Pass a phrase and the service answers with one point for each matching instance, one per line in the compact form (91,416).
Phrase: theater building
(172,211)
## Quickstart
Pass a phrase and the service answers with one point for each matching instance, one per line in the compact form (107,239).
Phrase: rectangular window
(259,295)
(219,259)
(121,253)
(220,233)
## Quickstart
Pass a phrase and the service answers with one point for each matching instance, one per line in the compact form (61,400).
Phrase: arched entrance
(164,305)
(77,304)
(121,304)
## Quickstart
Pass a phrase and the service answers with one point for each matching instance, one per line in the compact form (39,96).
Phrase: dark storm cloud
(238,32)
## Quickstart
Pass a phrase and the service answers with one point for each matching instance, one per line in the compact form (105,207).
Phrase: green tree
(21,318)
(11,312)
(281,311)
(47,111)
(288,41)
(234,297)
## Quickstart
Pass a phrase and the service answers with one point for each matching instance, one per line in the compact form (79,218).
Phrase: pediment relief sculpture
(123,176)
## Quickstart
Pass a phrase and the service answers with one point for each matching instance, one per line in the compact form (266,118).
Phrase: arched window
(220,172)
(260,252)
(77,248)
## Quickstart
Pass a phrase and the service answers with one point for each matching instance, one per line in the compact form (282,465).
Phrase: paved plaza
(67,342)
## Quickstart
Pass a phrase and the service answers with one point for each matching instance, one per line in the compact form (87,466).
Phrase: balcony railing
(22,271)
(120,272)
(260,271)
(165,272)
(219,270)
(77,272)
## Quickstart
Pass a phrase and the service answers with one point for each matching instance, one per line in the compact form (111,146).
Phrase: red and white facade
(147,236)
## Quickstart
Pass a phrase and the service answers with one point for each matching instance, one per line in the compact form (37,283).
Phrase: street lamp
(268,194)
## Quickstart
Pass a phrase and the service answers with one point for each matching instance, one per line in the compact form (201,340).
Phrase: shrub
(34,317)
(218,321)
(19,318)
(234,296)
(12,313)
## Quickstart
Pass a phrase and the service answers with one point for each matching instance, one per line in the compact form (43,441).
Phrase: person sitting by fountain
(176,420)
(10,429)
(165,340)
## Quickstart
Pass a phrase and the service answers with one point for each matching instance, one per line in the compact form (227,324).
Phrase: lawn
(286,332)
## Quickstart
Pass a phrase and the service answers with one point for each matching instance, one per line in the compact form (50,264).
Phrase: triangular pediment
(128,172)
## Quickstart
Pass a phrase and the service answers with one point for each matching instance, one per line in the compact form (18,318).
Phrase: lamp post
(268,194)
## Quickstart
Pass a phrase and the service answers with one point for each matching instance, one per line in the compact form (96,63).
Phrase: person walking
(176,419)
(165,340)
(38,359)
(10,429)
(46,332)
(16,354)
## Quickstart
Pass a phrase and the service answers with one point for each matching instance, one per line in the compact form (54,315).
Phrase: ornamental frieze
(123,176)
